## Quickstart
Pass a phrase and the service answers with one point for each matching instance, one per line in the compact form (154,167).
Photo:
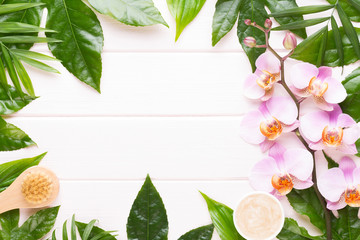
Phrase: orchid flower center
(271,128)
(283,184)
(317,87)
(266,80)
(332,137)
(352,197)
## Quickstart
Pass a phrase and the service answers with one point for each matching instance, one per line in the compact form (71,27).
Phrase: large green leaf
(82,39)
(201,233)
(12,138)
(36,226)
(11,170)
(305,202)
(255,11)
(281,5)
(226,13)
(9,222)
(292,231)
(147,219)
(349,9)
(351,105)
(308,50)
(222,218)
(347,226)
(131,12)
(184,11)
(8,106)
(94,233)
(29,16)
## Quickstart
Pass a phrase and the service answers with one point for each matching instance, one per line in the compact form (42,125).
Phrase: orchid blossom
(330,130)
(308,80)
(260,85)
(341,186)
(283,170)
(266,124)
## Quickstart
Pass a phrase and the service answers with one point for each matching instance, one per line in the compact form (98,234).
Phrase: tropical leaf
(14,102)
(301,10)
(351,105)
(226,13)
(338,41)
(292,231)
(347,226)
(10,8)
(201,233)
(82,39)
(301,24)
(134,13)
(255,11)
(147,219)
(350,8)
(184,11)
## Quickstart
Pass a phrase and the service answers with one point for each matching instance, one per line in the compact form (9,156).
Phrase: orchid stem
(297,102)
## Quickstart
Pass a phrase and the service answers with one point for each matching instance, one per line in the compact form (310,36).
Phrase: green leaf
(9,222)
(11,170)
(11,70)
(331,162)
(355,4)
(322,48)
(16,27)
(73,228)
(301,24)
(347,226)
(350,10)
(201,233)
(222,218)
(27,39)
(351,105)
(308,50)
(37,64)
(184,11)
(64,231)
(34,55)
(85,235)
(338,42)
(226,13)
(12,138)
(147,219)
(36,226)
(10,8)
(3,79)
(24,77)
(255,11)
(292,231)
(306,203)
(277,6)
(15,103)
(96,232)
(301,10)
(349,30)
(134,13)
(82,39)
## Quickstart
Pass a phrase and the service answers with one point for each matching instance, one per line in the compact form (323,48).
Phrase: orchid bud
(250,42)
(268,23)
(290,41)
(247,22)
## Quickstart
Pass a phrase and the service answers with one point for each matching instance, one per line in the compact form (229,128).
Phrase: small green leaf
(306,203)
(24,76)
(301,10)
(184,11)
(14,103)
(338,42)
(3,79)
(351,105)
(331,162)
(201,233)
(350,10)
(134,13)
(85,235)
(36,226)
(33,55)
(292,231)
(11,170)
(222,218)
(301,24)
(347,226)
(349,30)
(322,48)
(73,228)
(82,39)
(12,138)
(355,4)
(64,231)
(255,11)
(11,70)
(37,64)
(226,13)
(10,8)
(96,232)
(277,6)
(147,219)
(26,39)
(16,27)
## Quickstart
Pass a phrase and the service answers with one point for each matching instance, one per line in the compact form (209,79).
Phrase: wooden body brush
(36,187)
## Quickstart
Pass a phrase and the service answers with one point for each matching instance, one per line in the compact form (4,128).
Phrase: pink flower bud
(290,41)
(250,42)
(247,22)
(268,23)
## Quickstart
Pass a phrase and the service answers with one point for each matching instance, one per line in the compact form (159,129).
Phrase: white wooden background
(168,109)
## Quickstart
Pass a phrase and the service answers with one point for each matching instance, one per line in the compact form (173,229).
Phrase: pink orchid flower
(308,80)
(266,124)
(330,130)
(283,170)
(260,85)
(341,186)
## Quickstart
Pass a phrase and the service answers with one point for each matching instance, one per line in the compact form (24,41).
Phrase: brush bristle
(37,188)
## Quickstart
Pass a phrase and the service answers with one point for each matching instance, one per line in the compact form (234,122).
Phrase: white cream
(259,216)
